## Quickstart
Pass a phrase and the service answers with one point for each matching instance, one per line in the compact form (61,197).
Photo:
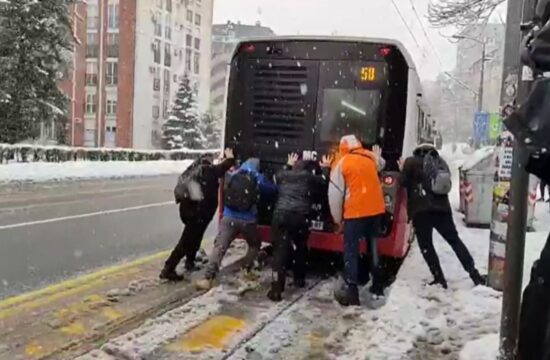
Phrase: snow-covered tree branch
(460,13)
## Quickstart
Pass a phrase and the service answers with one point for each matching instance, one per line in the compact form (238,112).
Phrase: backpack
(189,186)
(240,191)
(436,174)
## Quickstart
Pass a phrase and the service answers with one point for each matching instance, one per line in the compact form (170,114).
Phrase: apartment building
(224,39)
(136,51)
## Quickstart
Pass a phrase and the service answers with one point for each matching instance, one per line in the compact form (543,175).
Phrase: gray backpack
(437,175)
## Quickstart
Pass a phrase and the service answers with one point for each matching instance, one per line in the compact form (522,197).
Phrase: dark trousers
(424,223)
(534,324)
(355,230)
(543,186)
(289,230)
(190,240)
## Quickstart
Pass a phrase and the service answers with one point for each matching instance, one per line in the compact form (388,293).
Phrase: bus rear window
(349,111)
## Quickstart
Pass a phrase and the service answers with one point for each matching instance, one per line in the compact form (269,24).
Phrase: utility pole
(509,221)
(481,77)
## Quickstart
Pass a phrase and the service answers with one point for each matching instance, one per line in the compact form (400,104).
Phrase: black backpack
(437,175)
(189,188)
(240,191)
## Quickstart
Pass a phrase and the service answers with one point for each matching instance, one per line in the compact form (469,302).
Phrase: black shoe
(478,279)
(190,266)
(275,294)
(170,275)
(348,296)
(440,282)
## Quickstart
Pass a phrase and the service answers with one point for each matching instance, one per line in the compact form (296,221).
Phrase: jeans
(354,231)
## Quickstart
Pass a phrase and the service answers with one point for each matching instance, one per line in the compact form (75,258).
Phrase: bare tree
(460,13)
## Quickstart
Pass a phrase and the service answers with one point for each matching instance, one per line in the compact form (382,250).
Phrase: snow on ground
(40,172)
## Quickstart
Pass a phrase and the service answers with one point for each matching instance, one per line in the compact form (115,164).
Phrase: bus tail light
(248,48)
(384,51)
(388,180)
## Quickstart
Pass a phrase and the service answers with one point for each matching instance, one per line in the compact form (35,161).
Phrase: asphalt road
(52,232)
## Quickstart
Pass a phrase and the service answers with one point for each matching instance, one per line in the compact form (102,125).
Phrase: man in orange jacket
(356,199)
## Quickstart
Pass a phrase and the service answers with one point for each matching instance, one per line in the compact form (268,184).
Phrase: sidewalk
(75,316)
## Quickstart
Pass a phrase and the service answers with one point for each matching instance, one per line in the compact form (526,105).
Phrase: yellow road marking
(75,328)
(38,298)
(111,313)
(213,333)
(34,349)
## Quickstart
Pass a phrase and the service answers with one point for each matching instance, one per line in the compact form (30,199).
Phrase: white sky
(375,18)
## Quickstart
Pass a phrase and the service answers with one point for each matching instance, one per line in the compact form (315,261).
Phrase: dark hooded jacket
(412,178)
(209,181)
(299,187)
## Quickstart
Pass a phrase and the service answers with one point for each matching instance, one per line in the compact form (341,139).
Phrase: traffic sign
(481,127)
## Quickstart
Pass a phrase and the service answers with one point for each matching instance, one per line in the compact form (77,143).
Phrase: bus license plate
(317,225)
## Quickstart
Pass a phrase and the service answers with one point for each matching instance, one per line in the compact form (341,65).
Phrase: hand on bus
(377,150)
(401,163)
(326,161)
(228,153)
(292,159)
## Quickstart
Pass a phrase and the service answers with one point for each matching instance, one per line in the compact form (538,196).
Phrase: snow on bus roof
(383,41)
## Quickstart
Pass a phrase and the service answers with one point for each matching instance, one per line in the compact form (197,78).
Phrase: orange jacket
(355,190)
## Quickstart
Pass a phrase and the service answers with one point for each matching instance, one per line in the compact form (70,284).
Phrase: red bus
(301,94)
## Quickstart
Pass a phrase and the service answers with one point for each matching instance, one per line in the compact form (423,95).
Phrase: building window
(165,113)
(112,45)
(158,25)
(110,107)
(169,5)
(188,54)
(189,16)
(167,81)
(112,73)
(168,27)
(89,137)
(92,46)
(91,73)
(197,20)
(197,44)
(196,62)
(113,16)
(156,112)
(92,17)
(167,55)
(110,136)
(156,50)
(188,40)
(156,80)
(91,103)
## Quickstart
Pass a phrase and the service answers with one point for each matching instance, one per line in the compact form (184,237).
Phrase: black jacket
(412,178)
(210,181)
(298,190)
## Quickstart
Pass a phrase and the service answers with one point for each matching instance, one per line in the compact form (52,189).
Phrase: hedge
(39,153)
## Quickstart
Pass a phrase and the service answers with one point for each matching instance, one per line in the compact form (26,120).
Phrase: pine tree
(211,130)
(182,129)
(35,39)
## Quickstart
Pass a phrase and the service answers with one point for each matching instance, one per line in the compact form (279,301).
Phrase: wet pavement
(50,232)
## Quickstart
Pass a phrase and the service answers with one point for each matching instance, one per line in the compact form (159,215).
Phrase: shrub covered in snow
(34,153)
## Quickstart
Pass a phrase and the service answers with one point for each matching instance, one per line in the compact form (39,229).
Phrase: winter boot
(170,275)
(477,278)
(277,288)
(440,282)
(348,296)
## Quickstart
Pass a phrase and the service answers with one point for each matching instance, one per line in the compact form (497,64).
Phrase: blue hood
(252,164)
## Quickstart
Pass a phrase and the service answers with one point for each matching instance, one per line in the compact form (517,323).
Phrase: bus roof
(393,42)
